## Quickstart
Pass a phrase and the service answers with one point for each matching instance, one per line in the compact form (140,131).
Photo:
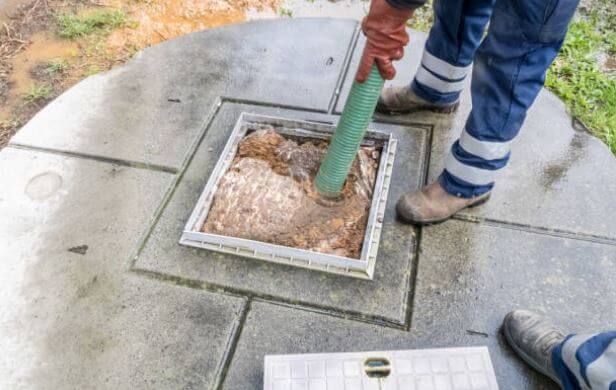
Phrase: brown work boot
(402,100)
(533,337)
(432,204)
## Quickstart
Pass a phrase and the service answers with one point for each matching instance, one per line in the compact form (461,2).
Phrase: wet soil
(29,68)
(29,41)
(267,195)
(157,21)
(8,8)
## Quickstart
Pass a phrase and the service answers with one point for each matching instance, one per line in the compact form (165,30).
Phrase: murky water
(43,48)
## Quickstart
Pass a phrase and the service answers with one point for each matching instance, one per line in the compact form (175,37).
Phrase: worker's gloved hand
(386,35)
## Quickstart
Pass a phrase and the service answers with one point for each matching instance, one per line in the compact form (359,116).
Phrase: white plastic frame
(362,268)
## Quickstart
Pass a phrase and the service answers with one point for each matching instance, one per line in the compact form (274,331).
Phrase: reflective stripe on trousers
(587,362)
(509,68)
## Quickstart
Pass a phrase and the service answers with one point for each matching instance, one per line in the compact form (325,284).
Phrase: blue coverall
(587,362)
(509,67)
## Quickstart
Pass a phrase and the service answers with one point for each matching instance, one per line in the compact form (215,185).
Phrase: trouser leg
(508,72)
(587,361)
(458,28)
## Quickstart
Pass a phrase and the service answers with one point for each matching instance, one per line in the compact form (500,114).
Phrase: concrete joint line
(597,239)
(232,342)
(228,99)
(271,299)
(107,160)
(346,64)
(209,118)
(337,313)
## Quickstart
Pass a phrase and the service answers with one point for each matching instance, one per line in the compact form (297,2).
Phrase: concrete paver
(282,330)
(469,277)
(129,116)
(72,317)
(386,297)
(558,178)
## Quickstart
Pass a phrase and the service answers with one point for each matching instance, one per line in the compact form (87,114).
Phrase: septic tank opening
(267,195)
(260,201)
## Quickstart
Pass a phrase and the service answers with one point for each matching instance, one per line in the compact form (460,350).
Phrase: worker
(509,65)
(574,362)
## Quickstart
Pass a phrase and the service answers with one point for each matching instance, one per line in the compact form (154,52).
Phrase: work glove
(386,35)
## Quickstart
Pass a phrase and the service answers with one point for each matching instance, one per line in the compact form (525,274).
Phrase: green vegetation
(579,78)
(285,12)
(422,18)
(38,92)
(73,26)
(58,65)
(92,70)
(11,122)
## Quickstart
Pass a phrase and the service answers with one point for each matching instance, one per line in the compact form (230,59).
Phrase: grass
(38,92)
(578,78)
(9,123)
(92,70)
(422,18)
(7,128)
(72,26)
(58,65)
(285,12)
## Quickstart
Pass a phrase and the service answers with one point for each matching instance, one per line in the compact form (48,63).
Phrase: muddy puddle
(32,67)
(267,195)
(157,21)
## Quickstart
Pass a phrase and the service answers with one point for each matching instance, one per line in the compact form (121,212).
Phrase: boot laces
(547,340)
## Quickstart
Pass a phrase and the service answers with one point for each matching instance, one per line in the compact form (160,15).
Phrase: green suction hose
(347,138)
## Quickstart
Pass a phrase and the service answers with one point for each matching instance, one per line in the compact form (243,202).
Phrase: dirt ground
(38,61)
(267,195)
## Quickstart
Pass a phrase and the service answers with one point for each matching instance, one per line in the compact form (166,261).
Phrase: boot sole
(525,357)
(382,109)
(437,221)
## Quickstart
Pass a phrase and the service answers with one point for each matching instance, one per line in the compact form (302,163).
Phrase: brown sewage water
(267,195)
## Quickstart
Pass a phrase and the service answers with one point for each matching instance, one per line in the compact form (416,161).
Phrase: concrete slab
(383,299)
(558,178)
(469,277)
(72,316)
(273,329)
(152,109)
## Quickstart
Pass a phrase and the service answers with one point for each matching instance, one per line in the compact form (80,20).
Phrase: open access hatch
(198,231)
